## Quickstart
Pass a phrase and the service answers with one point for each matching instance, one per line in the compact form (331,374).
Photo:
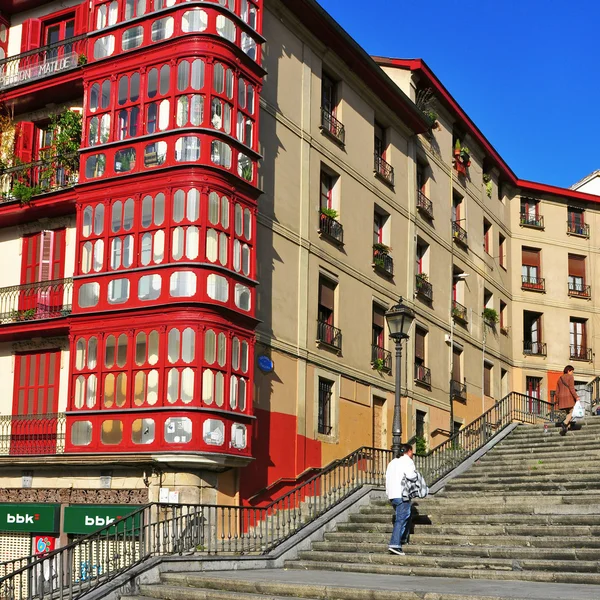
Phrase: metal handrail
(383,169)
(424,204)
(329,335)
(537,284)
(459,311)
(581,229)
(331,227)
(579,290)
(332,126)
(528,220)
(381,356)
(423,287)
(459,233)
(383,262)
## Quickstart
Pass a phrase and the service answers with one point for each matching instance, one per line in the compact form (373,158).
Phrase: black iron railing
(424,204)
(332,126)
(459,312)
(381,358)
(32,434)
(24,181)
(580,353)
(329,335)
(458,390)
(423,375)
(581,229)
(43,62)
(383,262)
(459,234)
(423,287)
(383,169)
(529,220)
(36,301)
(579,290)
(534,348)
(331,228)
(535,284)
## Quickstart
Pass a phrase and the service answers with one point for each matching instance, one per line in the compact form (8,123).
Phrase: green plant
(329,212)
(82,60)
(457,313)
(487,179)
(423,276)
(24,192)
(247,172)
(66,138)
(381,249)
(490,316)
(420,446)
(379,364)
(464,151)
(23,315)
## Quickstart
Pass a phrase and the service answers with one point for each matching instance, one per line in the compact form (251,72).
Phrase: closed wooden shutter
(420,343)
(531,257)
(31,35)
(577,266)
(456,364)
(326,294)
(487,379)
(24,141)
(378,317)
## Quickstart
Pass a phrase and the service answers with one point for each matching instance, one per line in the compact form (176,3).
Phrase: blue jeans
(401,522)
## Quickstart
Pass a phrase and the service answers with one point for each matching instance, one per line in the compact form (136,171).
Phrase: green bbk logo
(20,519)
(99,521)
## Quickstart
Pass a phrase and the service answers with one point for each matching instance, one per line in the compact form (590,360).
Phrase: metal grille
(325,393)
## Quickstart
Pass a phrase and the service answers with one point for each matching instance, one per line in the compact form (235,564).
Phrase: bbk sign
(34,518)
(87,518)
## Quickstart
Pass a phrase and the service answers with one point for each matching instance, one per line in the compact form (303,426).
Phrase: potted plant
(329,212)
(462,158)
(420,446)
(487,179)
(423,276)
(490,316)
(379,365)
(433,117)
(381,249)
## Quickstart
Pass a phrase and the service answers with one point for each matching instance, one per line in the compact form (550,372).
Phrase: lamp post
(399,320)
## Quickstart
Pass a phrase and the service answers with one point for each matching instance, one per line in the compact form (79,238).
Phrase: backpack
(414,487)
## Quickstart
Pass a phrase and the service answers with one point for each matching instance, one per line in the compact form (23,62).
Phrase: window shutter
(420,343)
(82,13)
(487,380)
(456,364)
(378,317)
(531,257)
(45,257)
(577,266)
(24,142)
(326,294)
(31,35)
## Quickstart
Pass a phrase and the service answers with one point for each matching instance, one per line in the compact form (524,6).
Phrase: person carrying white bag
(567,400)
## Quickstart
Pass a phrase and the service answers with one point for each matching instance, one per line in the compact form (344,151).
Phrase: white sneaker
(396,550)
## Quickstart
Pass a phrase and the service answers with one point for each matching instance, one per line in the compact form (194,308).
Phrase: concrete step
(523,486)
(501,492)
(509,479)
(536,469)
(555,450)
(440,500)
(494,518)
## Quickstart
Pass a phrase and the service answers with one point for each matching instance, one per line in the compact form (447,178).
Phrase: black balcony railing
(381,359)
(329,335)
(535,284)
(331,228)
(423,375)
(32,434)
(22,182)
(579,290)
(383,169)
(458,390)
(534,348)
(424,204)
(36,301)
(580,353)
(459,312)
(424,288)
(42,62)
(459,234)
(331,126)
(581,229)
(529,220)
(383,262)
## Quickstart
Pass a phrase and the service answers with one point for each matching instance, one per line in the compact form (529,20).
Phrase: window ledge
(329,347)
(330,238)
(334,138)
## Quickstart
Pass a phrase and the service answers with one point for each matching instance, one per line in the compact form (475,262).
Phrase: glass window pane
(178,206)
(89,294)
(219,388)
(210,346)
(86,257)
(238,219)
(221,349)
(123,89)
(80,352)
(159,246)
(146,249)
(244,357)
(134,87)
(235,354)
(87,221)
(95,166)
(112,432)
(147,211)
(139,395)
(132,38)
(149,287)
(213,208)
(140,348)
(174,345)
(194,20)
(152,83)
(212,245)
(208,393)
(183,284)
(128,214)
(178,430)
(92,352)
(192,246)
(165,80)
(225,212)
(118,291)
(81,433)
(177,243)
(187,385)
(173,386)
(217,287)
(142,431)
(152,388)
(213,432)
(188,345)
(109,351)
(159,209)
(183,75)
(153,347)
(197,74)
(193,204)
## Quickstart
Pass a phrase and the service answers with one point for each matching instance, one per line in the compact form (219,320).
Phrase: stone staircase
(526,514)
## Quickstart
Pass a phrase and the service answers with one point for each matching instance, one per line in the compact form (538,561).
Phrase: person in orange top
(566,396)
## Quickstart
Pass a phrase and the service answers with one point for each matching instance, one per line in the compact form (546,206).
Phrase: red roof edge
(417,64)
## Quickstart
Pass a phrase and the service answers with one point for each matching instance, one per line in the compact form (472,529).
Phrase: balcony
(579,229)
(332,127)
(423,375)
(383,170)
(381,359)
(329,336)
(423,287)
(382,261)
(36,301)
(22,435)
(330,228)
(534,348)
(459,234)
(41,63)
(580,353)
(424,205)
(529,220)
(458,390)
(459,312)
(533,284)
(23,182)
(580,290)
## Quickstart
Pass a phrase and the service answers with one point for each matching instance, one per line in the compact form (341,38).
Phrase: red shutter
(531,257)
(24,143)
(577,266)
(31,35)
(82,14)
(326,294)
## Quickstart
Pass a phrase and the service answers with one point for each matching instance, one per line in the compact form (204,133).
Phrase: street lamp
(399,320)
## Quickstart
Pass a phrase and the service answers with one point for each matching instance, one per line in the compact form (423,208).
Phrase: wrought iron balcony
(535,284)
(423,375)
(459,234)
(383,169)
(32,434)
(36,301)
(333,127)
(579,290)
(459,312)
(331,228)
(534,348)
(22,182)
(381,359)
(424,204)
(580,229)
(580,353)
(329,335)
(535,221)
(383,262)
(43,62)
(423,287)
(458,390)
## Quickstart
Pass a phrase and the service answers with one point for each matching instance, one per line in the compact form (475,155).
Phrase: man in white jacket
(399,467)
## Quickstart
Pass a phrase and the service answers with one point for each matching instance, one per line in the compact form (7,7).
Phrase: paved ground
(521,590)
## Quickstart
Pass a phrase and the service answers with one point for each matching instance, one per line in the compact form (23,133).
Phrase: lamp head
(399,320)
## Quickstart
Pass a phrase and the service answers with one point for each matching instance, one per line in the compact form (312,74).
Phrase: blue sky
(526,72)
